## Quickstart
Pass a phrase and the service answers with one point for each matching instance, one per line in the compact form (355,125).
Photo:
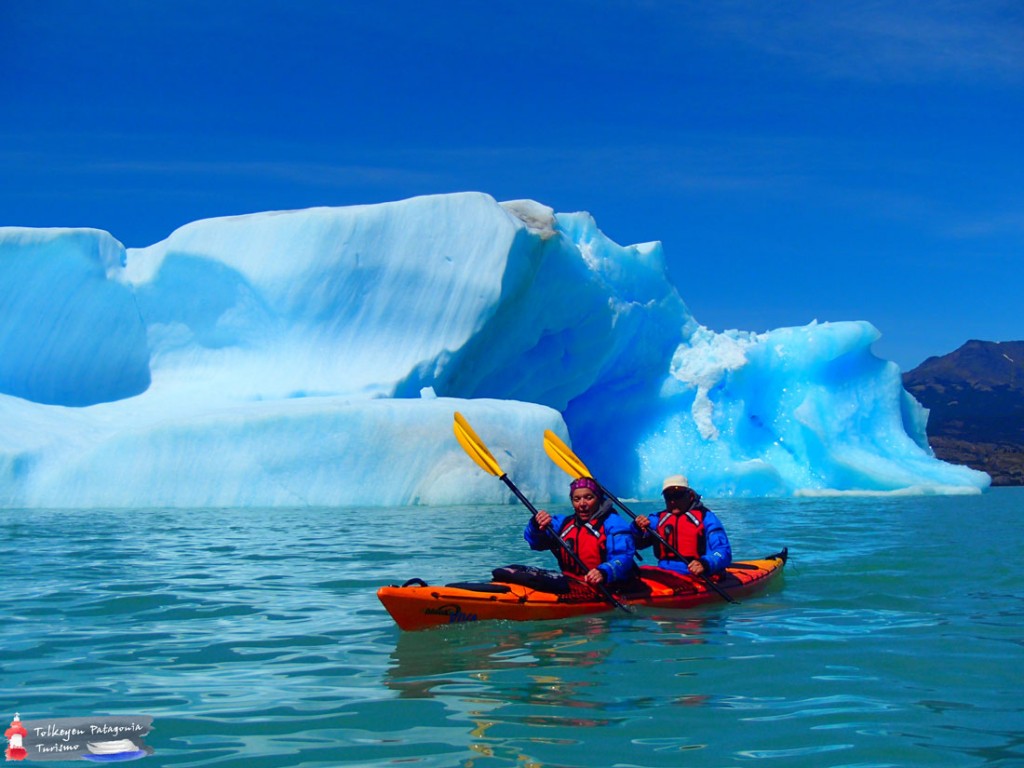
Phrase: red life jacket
(588,540)
(684,531)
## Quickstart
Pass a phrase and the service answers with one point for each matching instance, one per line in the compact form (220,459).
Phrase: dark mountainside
(976,399)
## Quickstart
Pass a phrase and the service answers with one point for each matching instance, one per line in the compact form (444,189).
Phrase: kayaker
(692,529)
(602,540)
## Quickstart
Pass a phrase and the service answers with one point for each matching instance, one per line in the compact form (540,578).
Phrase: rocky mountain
(975,396)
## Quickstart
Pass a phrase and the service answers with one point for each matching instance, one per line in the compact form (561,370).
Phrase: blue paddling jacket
(606,533)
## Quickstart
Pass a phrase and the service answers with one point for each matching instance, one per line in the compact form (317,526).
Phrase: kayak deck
(417,605)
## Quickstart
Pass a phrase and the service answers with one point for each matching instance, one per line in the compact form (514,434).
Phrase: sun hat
(674,481)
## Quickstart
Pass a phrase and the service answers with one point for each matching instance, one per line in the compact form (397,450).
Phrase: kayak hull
(416,606)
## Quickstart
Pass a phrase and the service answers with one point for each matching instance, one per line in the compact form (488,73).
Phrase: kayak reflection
(426,664)
(519,687)
(515,662)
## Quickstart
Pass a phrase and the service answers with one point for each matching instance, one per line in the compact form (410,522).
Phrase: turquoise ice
(315,357)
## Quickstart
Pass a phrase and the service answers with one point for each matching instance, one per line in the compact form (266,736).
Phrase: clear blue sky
(799,161)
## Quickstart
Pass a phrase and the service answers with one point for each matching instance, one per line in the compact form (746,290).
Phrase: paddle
(570,463)
(478,452)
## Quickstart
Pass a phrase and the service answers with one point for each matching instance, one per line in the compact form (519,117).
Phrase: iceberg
(316,357)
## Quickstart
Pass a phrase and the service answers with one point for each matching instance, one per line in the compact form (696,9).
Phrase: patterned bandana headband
(584,482)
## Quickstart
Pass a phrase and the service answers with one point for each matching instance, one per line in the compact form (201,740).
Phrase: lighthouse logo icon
(15,736)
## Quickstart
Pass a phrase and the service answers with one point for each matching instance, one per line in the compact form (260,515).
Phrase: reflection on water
(536,665)
(423,661)
(520,687)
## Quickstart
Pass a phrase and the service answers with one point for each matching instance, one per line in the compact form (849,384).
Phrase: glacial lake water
(254,638)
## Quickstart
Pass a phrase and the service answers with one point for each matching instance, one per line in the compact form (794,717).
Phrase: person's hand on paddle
(594,576)
(642,522)
(542,518)
(696,566)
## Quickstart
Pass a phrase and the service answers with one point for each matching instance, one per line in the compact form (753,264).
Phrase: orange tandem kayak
(522,593)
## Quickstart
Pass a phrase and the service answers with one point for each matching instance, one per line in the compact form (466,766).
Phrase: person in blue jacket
(693,530)
(602,540)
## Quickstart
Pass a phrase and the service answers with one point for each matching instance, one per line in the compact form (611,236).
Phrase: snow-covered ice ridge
(316,357)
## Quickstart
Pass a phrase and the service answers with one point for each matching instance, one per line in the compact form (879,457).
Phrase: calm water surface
(254,638)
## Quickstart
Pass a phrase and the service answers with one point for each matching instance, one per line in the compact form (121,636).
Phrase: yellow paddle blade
(563,456)
(474,446)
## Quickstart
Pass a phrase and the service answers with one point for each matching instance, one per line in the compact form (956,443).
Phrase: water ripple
(253,648)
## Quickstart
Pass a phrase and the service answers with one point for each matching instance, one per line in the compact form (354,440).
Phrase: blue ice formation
(316,357)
